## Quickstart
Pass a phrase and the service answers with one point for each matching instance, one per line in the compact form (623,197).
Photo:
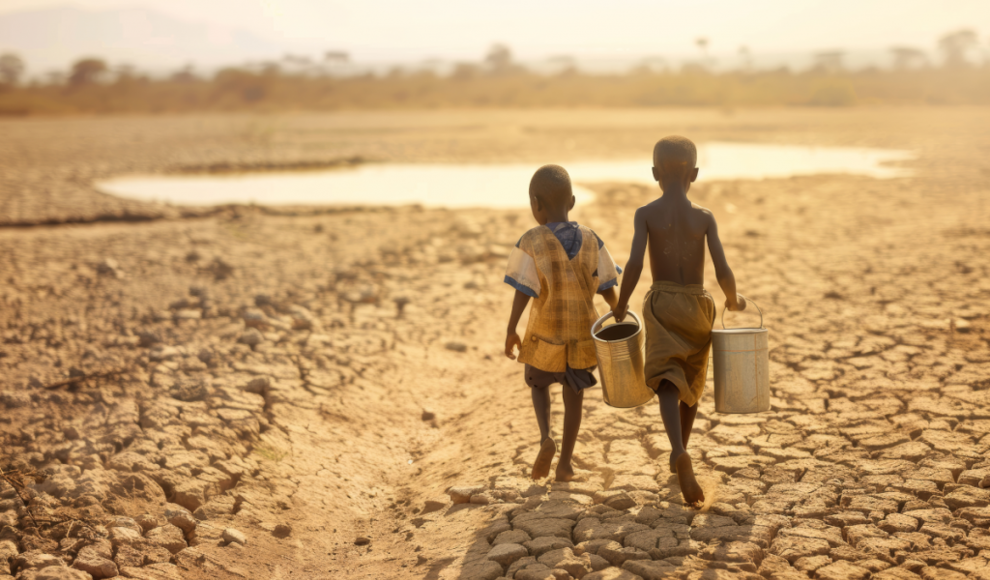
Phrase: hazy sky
(539,28)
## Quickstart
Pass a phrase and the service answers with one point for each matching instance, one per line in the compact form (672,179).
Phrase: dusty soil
(329,390)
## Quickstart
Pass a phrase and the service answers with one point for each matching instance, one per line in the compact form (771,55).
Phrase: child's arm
(512,339)
(726,280)
(610,297)
(634,267)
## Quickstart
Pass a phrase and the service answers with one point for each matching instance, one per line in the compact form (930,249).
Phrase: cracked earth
(301,394)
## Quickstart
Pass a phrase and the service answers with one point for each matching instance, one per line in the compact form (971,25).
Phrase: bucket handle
(748,301)
(600,322)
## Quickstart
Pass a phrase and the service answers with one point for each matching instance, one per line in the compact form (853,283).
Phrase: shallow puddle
(493,186)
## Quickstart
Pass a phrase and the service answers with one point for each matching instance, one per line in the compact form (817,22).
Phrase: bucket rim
(599,324)
(746,330)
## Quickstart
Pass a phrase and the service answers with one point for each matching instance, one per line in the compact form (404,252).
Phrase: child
(560,265)
(677,313)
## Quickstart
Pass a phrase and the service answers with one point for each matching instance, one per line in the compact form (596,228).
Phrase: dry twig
(81,378)
(13,479)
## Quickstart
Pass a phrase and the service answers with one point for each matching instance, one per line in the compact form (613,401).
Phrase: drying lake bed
(503,186)
(320,392)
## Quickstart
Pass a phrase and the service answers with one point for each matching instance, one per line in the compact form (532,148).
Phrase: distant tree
(87,71)
(747,58)
(464,71)
(906,57)
(55,77)
(650,65)
(829,62)
(499,59)
(955,46)
(184,75)
(124,73)
(336,56)
(702,43)
(11,68)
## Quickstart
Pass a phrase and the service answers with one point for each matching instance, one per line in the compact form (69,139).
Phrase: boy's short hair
(674,153)
(551,184)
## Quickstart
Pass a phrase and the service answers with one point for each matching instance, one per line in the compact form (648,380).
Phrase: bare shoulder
(704,213)
(644,212)
(701,208)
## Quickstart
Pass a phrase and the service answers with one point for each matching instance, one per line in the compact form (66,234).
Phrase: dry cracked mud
(324,395)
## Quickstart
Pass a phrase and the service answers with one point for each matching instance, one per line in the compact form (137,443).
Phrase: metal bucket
(620,349)
(741,360)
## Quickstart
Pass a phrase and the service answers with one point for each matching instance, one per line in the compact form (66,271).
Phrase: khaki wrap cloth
(678,321)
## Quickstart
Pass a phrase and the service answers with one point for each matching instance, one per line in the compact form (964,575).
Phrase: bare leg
(541,404)
(671,412)
(687,422)
(573,402)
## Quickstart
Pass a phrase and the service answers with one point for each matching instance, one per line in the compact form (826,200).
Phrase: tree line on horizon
(91,86)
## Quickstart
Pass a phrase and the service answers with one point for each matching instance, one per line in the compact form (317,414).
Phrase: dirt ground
(304,394)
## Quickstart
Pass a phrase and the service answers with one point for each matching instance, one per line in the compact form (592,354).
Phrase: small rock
(147,338)
(220,269)
(169,537)
(110,267)
(362,541)
(254,318)
(482,498)
(251,337)
(428,415)
(55,573)
(282,531)
(35,559)
(506,554)
(456,346)
(124,536)
(258,385)
(95,566)
(14,399)
(511,537)
(621,501)
(232,536)
(462,494)
(161,352)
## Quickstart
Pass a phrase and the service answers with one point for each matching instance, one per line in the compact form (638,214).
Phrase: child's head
(550,193)
(674,161)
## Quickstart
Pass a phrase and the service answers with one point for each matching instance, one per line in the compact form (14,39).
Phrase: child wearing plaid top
(561,266)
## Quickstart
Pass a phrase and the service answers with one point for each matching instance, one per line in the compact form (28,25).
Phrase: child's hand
(619,312)
(512,340)
(740,304)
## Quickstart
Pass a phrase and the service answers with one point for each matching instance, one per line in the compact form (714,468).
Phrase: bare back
(676,230)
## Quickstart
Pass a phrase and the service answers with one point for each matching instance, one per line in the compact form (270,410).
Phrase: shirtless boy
(560,265)
(677,312)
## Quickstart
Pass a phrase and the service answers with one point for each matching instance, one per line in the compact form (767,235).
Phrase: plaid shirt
(559,331)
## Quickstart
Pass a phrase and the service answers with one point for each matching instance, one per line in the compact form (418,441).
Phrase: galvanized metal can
(741,365)
(621,352)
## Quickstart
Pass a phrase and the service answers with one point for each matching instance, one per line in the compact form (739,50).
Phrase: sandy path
(289,391)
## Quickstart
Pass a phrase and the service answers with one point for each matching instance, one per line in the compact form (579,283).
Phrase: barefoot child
(560,265)
(678,313)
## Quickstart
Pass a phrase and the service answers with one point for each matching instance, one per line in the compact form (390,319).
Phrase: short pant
(577,379)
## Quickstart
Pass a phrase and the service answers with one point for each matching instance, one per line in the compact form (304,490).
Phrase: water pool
(494,185)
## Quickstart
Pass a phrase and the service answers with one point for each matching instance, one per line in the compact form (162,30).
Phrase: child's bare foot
(673,462)
(564,473)
(541,467)
(692,492)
